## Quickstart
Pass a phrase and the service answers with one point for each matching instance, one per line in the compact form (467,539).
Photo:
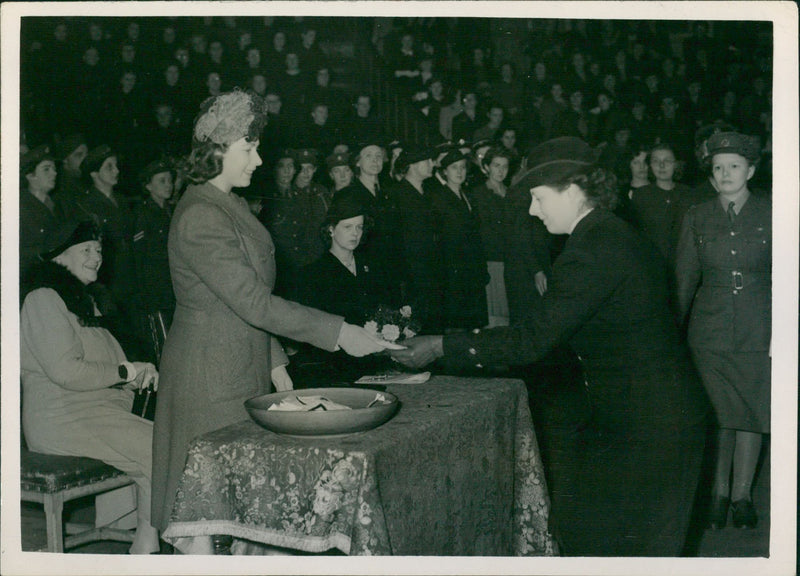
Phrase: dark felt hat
(345,204)
(95,158)
(66,234)
(413,155)
(68,145)
(340,159)
(451,157)
(554,160)
(305,156)
(155,167)
(31,159)
(734,143)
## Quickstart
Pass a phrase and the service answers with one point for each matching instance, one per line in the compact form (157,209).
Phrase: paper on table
(399,378)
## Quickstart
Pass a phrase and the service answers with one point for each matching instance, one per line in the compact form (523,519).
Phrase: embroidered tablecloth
(457,471)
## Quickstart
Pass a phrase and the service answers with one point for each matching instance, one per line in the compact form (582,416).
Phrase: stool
(53,480)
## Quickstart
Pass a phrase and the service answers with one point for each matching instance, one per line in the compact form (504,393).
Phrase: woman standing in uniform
(628,485)
(463,263)
(724,265)
(151,226)
(221,350)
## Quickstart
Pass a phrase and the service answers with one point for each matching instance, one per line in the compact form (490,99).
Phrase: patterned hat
(229,117)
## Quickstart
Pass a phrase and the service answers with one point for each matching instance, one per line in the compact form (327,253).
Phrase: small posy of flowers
(393,324)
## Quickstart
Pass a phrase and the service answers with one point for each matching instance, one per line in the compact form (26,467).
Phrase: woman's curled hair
(598,184)
(204,161)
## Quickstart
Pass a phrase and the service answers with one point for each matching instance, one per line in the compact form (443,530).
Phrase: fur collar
(79,299)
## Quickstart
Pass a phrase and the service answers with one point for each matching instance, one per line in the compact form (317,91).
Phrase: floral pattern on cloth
(456,472)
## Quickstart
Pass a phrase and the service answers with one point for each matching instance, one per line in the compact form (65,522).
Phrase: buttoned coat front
(629,485)
(219,351)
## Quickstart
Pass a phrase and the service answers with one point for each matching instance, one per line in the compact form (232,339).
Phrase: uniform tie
(731,213)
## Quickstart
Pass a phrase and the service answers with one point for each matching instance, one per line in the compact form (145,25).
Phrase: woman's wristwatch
(127,372)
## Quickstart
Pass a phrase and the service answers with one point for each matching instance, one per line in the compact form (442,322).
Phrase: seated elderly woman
(346,282)
(77,384)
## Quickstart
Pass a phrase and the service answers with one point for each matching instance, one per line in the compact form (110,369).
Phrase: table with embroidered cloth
(457,471)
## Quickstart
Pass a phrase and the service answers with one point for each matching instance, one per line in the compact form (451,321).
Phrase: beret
(95,158)
(31,159)
(155,167)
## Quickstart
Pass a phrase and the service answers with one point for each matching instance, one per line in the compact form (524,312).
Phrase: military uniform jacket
(607,298)
(294,222)
(35,221)
(724,276)
(151,230)
(461,257)
(219,351)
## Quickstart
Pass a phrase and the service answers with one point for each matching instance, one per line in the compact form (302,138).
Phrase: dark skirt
(627,496)
(738,384)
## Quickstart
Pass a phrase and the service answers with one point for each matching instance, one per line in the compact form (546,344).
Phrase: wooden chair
(53,480)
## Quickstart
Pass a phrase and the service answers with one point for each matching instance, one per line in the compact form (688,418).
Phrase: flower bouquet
(393,325)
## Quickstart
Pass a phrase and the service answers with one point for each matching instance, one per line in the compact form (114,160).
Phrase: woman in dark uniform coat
(151,220)
(627,489)
(221,348)
(345,282)
(724,285)
(461,256)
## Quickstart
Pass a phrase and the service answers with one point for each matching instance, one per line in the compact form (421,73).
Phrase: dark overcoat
(630,483)
(421,255)
(219,351)
(461,257)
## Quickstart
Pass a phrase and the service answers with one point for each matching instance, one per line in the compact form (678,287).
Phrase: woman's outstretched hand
(358,342)
(419,351)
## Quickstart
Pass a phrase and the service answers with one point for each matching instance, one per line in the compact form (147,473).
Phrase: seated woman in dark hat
(77,384)
(345,282)
(628,486)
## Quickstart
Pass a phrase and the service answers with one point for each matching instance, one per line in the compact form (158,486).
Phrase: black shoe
(744,514)
(718,514)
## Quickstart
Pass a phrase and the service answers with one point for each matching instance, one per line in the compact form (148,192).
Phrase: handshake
(413,352)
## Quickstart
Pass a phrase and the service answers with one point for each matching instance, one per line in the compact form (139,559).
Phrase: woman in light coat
(221,349)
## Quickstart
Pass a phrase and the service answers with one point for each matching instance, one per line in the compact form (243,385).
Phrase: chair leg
(53,511)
